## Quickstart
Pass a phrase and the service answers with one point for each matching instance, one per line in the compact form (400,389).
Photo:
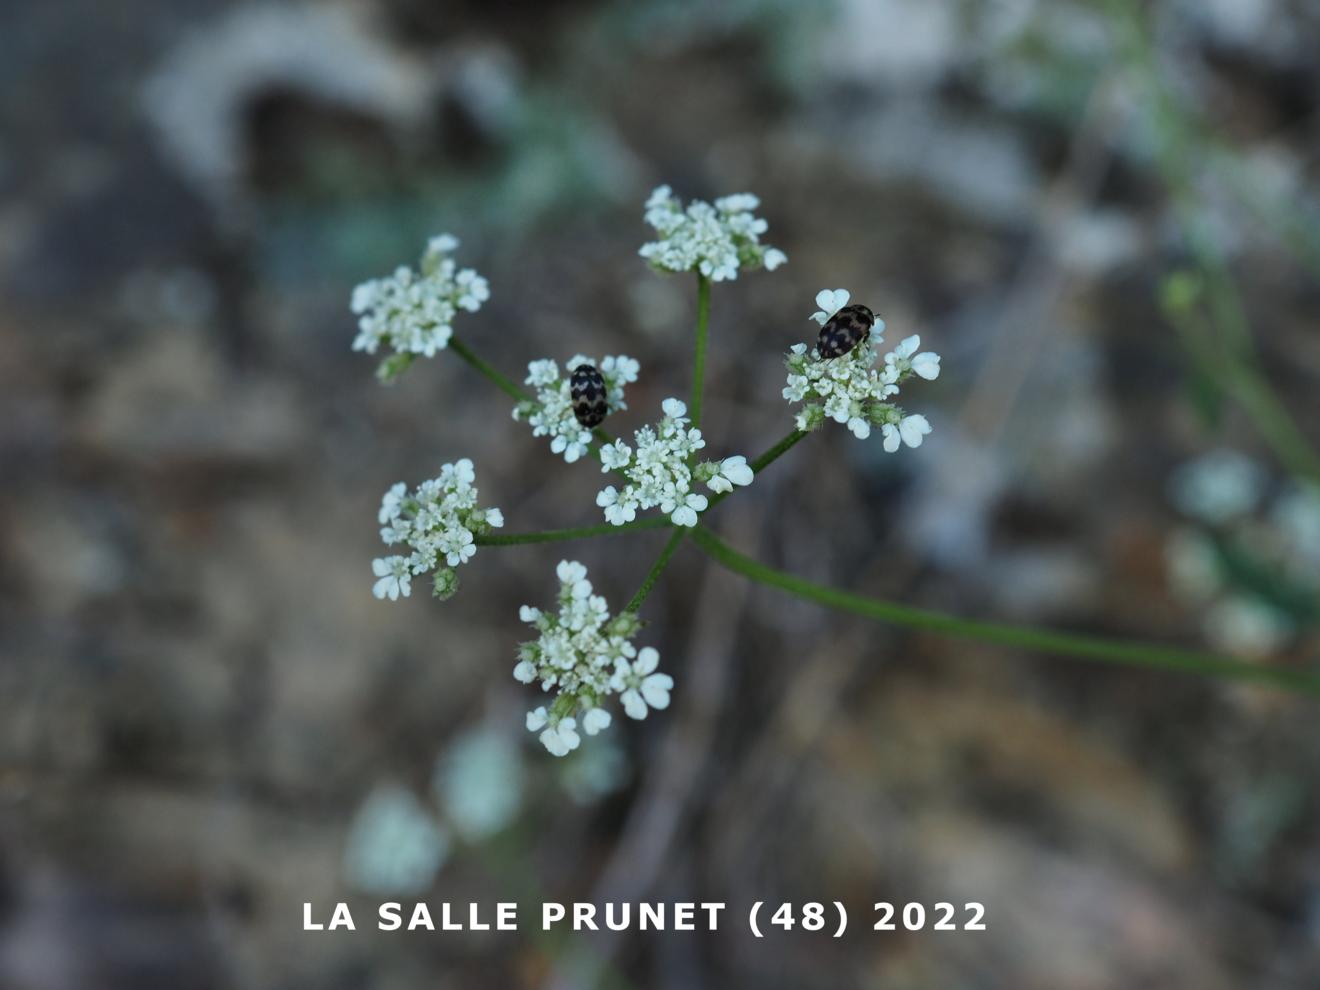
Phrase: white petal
(825,300)
(633,705)
(655,690)
(525,672)
(927,365)
(647,660)
(536,719)
(892,438)
(683,516)
(737,470)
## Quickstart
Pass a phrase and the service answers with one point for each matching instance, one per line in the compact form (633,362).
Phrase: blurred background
(1102,215)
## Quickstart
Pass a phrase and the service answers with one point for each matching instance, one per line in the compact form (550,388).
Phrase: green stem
(502,382)
(661,562)
(778,450)
(562,535)
(699,354)
(758,465)
(1044,640)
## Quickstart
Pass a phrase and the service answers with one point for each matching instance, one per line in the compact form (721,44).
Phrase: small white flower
(394,577)
(412,311)
(578,654)
(850,389)
(730,472)
(440,518)
(830,302)
(614,456)
(901,360)
(684,512)
(551,414)
(617,509)
(639,686)
(716,240)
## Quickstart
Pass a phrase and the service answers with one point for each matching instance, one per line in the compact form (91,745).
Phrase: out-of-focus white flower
(830,302)
(479,783)
(1193,564)
(438,521)
(1218,486)
(578,654)
(659,471)
(1296,516)
(412,311)
(394,844)
(716,240)
(1247,627)
(851,390)
(638,684)
(551,413)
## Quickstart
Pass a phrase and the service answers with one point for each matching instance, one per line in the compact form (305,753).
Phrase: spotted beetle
(588,390)
(844,330)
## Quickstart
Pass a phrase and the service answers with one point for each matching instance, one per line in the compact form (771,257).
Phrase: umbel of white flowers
(850,390)
(716,241)
(659,471)
(585,655)
(413,312)
(439,522)
(550,414)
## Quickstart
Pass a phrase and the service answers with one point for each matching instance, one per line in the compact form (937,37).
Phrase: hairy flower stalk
(550,414)
(850,390)
(413,312)
(440,522)
(585,655)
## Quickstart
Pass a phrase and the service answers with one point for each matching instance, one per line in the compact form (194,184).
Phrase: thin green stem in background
(1229,361)
(562,535)
(699,352)
(1025,637)
(657,568)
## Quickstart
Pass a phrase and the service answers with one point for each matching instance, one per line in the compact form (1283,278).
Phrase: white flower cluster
(659,471)
(440,522)
(413,311)
(551,414)
(715,240)
(849,389)
(586,655)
